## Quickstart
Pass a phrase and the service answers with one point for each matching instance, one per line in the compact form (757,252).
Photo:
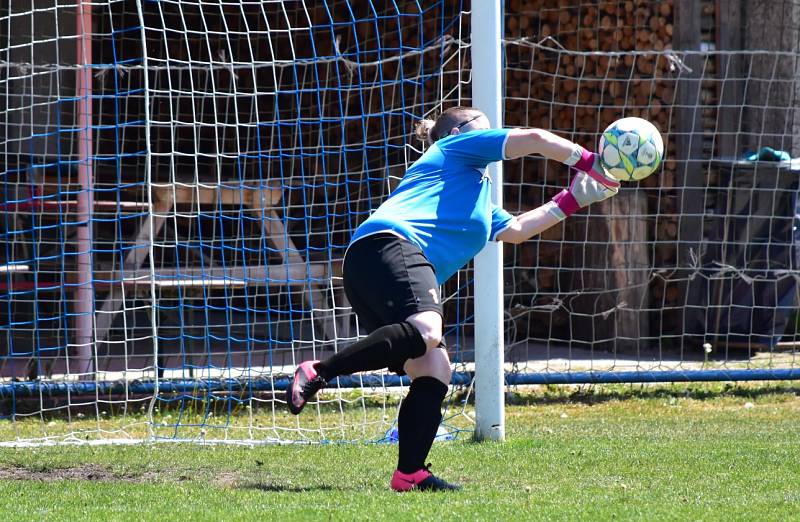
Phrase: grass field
(656,453)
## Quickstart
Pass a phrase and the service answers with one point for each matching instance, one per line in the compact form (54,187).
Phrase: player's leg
(382,282)
(387,346)
(419,419)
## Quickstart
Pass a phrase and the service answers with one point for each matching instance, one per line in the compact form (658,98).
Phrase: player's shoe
(304,385)
(421,480)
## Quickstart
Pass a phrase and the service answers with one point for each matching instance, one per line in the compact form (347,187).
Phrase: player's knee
(434,364)
(429,325)
(439,367)
(432,339)
(445,374)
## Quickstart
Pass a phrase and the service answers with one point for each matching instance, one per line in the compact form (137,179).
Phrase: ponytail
(429,130)
(423,130)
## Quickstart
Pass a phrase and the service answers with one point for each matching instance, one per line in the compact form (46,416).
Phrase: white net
(690,274)
(234,148)
(181,180)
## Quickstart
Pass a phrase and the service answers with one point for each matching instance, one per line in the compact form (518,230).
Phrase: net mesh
(181,181)
(234,148)
(695,267)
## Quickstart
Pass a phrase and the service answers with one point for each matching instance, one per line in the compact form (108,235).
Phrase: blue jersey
(443,204)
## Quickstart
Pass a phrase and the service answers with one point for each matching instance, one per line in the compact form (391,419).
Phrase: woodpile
(574,68)
(560,85)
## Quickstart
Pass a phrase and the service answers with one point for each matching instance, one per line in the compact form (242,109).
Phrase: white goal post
(487,95)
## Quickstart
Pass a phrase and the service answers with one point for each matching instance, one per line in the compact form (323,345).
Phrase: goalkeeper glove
(589,162)
(584,190)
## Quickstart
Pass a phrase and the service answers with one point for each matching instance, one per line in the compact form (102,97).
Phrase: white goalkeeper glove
(584,190)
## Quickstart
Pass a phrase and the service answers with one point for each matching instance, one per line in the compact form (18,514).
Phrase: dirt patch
(91,472)
(94,472)
(226,480)
(97,473)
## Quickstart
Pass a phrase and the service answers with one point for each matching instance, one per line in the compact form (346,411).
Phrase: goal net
(690,274)
(180,181)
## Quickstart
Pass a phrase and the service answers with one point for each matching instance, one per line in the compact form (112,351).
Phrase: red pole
(84,297)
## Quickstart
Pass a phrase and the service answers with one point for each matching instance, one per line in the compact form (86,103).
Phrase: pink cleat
(304,385)
(420,480)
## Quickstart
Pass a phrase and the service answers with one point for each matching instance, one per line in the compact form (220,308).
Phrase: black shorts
(387,279)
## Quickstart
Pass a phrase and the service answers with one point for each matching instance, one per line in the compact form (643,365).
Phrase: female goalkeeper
(432,224)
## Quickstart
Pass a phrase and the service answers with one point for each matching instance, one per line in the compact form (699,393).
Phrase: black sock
(418,421)
(389,345)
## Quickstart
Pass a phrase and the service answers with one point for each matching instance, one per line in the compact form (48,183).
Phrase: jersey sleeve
(501,220)
(476,148)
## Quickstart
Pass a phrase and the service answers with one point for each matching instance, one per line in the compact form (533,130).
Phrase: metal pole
(151,208)
(84,297)
(487,95)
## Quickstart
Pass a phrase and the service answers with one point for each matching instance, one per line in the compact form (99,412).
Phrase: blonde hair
(422,130)
(430,131)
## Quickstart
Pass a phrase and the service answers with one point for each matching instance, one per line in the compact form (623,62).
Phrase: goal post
(487,95)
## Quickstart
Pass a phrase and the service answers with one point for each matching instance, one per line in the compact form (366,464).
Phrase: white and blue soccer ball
(631,149)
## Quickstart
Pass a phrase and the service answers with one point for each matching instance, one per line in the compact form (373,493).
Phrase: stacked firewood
(575,68)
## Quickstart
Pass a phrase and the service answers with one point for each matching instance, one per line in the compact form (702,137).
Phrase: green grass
(655,453)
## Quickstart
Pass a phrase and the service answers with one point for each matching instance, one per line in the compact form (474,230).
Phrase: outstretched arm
(522,142)
(590,185)
(582,192)
(529,224)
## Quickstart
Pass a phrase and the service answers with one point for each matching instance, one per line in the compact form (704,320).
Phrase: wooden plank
(5,269)
(730,71)
(238,276)
(52,206)
(272,275)
(689,177)
(249,195)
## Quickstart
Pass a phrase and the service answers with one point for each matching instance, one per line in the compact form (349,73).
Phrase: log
(672,294)
(545,277)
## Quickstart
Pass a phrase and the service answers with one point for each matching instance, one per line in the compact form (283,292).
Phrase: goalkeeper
(437,219)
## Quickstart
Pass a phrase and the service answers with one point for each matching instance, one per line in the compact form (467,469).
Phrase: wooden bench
(259,199)
(165,201)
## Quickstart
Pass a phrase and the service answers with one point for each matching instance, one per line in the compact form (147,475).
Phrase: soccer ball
(631,149)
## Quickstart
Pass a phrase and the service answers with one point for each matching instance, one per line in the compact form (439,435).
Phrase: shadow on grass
(601,393)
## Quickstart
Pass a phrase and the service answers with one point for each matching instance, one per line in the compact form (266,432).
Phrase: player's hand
(588,190)
(599,174)
(582,192)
